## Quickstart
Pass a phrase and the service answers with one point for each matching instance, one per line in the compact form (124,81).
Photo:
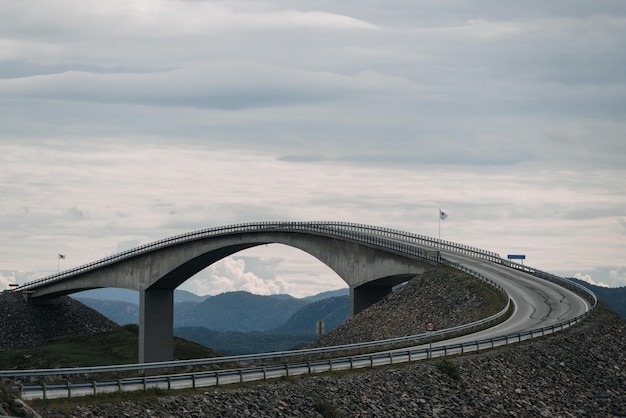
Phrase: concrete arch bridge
(370,259)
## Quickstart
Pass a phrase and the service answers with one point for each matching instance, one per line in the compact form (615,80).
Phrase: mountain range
(615,297)
(234,322)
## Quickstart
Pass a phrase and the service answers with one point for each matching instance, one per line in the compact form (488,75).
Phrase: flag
(442,215)
(61,257)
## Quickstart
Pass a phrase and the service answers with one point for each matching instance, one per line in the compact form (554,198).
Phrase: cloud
(618,277)
(587,278)
(75,213)
(230,86)
(6,280)
(230,274)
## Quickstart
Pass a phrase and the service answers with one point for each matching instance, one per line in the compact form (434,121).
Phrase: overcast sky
(124,122)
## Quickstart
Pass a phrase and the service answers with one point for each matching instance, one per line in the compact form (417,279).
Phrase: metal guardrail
(255,373)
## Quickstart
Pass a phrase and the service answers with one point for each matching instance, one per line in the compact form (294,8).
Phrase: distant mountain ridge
(238,311)
(236,322)
(132,296)
(615,297)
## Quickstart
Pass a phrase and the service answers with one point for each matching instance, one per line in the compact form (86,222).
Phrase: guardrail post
(264,373)
(44,390)
(119,385)
(371,361)
(217,378)
(169,382)
(94,385)
(390,357)
(240,375)
(69,389)
(309,366)
(145,386)
(193,381)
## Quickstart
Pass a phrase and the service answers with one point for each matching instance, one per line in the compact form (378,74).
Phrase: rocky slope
(23,325)
(442,296)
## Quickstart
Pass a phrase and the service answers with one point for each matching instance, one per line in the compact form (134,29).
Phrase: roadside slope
(24,325)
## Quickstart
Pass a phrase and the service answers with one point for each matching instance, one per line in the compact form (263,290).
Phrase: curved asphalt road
(538,303)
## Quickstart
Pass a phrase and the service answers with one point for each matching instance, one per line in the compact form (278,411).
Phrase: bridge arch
(369,270)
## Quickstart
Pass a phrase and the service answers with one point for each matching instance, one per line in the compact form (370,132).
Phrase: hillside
(333,311)
(443,296)
(240,311)
(23,325)
(297,332)
(227,312)
(615,297)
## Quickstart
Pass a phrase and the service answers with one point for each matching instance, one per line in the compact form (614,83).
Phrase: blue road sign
(516,257)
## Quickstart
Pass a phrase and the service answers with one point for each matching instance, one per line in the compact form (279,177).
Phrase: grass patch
(448,367)
(119,346)
(326,408)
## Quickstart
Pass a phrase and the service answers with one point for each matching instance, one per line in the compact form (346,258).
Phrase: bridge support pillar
(156,325)
(363,296)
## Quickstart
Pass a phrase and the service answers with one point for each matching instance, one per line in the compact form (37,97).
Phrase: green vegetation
(118,346)
(449,367)
(235,343)
(326,408)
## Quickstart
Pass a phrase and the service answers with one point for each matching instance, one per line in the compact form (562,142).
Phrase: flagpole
(59,257)
(439,229)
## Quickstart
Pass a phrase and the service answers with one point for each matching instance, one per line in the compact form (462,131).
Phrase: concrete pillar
(363,296)
(156,325)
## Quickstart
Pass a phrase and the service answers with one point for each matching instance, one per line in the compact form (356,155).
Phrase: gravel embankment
(23,325)
(436,295)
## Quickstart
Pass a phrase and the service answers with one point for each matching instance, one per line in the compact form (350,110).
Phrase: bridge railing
(385,237)
(391,239)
